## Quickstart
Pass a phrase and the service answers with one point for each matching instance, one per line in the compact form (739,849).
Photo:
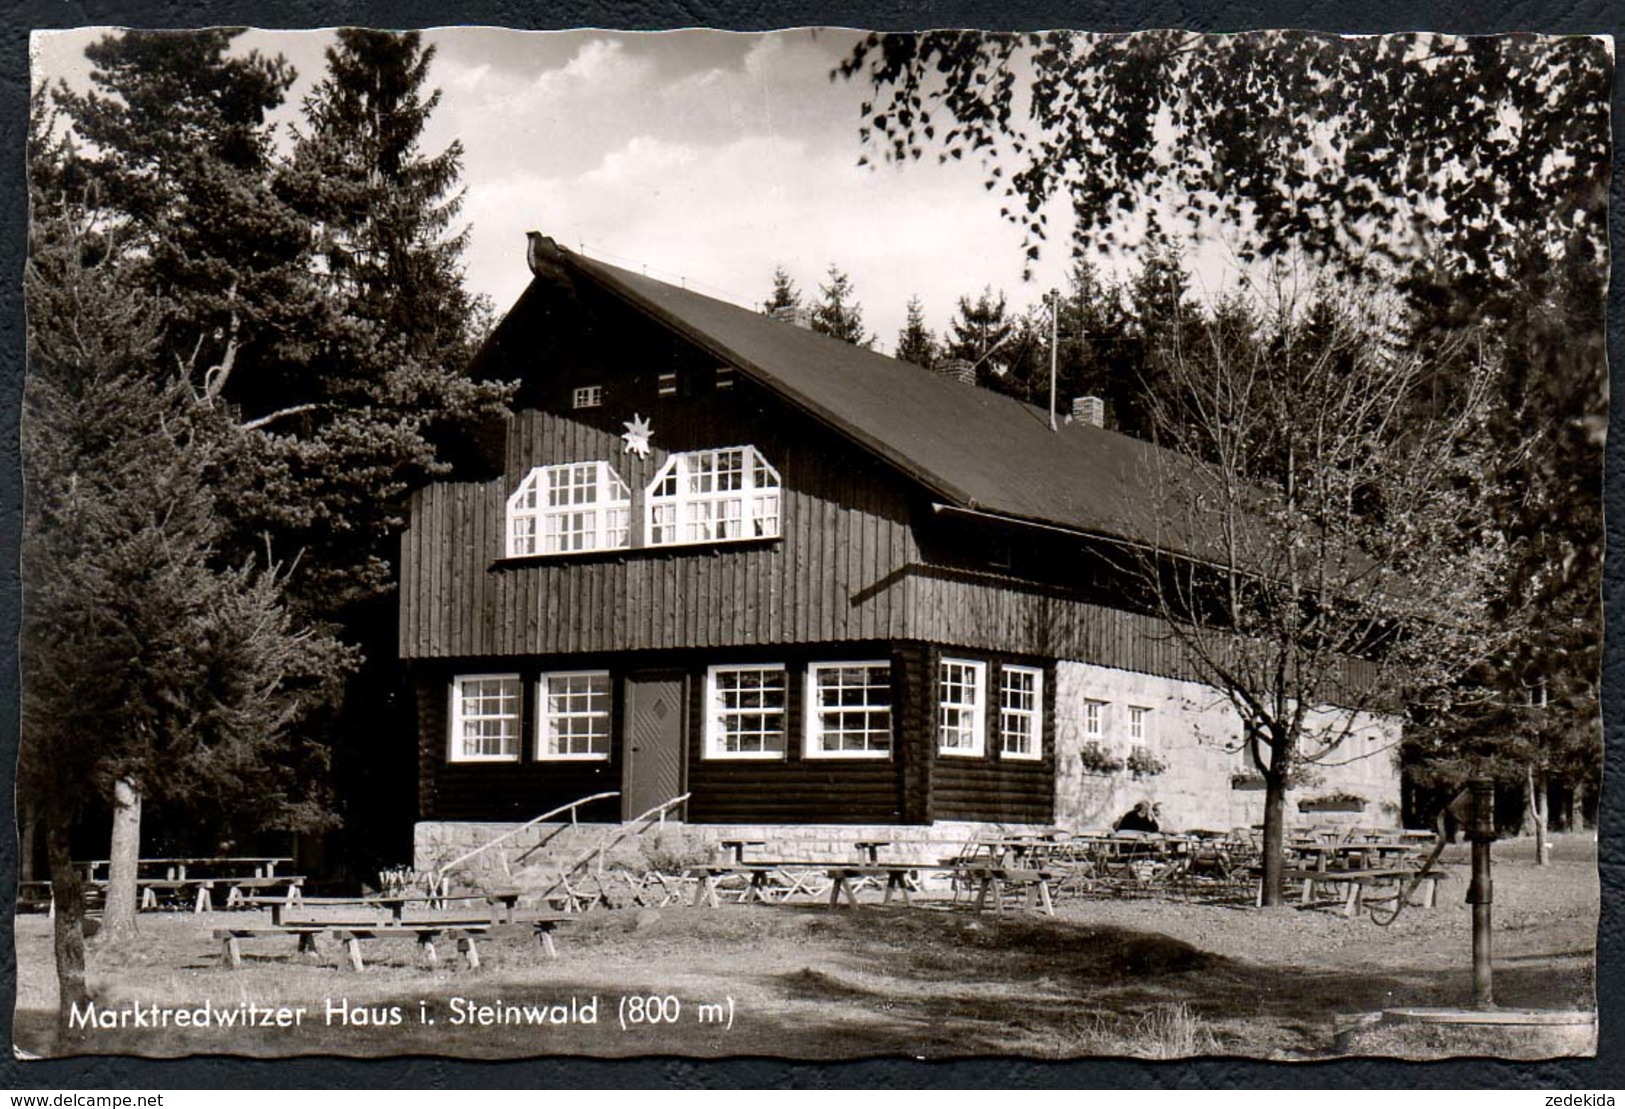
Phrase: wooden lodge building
(810,586)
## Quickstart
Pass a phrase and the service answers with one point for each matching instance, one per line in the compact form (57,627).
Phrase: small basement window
(577,506)
(713,496)
(959,707)
(587,396)
(848,710)
(575,715)
(1021,708)
(745,712)
(485,718)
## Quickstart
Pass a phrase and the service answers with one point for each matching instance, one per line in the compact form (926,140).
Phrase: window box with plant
(1098,759)
(1340,801)
(1143,764)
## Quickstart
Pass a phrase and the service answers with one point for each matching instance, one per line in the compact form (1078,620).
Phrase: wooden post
(352,947)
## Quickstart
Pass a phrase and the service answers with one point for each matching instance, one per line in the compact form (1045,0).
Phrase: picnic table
(737,847)
(219,866)
(192,880)
(501,905)
(1357,881)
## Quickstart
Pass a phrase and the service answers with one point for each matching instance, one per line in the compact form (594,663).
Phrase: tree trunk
(1537,812)
(1576,807)
(118,918)
(1274,837)
(27,839)
(68,932)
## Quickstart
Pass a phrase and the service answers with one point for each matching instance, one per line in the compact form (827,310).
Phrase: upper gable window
(587,396)
(578,506)
(713,497)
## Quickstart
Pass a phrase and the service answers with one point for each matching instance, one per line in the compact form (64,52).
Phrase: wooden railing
(636,826)
(570,808)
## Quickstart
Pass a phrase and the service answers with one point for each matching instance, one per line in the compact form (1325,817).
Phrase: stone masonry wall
(1193,730)
(536,850)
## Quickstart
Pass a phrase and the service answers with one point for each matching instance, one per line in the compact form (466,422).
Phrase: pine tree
(915,343)
(981,334)
(785,294)
(313,304)
(382,209)
(150,669)
(838,313)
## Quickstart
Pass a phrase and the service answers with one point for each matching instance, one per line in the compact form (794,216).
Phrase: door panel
(654,761)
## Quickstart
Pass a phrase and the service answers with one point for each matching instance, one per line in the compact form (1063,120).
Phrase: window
(587,396)
(1139,724)
(1021,707)
(959,707)
(579,506)
(485,718)
(713,496)
(574,715)
(745,718)
(1094,719)
(848,710)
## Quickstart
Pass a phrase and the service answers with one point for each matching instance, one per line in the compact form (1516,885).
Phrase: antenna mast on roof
(1054,348)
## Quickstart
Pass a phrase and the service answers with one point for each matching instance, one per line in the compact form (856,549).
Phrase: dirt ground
(1103,977)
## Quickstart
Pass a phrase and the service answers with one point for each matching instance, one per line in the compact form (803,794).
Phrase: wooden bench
(352,932)
(395,904)
(244,893)
(33,897)
(898,879)
(979,876)
(758,885)
(197,891)
(1357,882)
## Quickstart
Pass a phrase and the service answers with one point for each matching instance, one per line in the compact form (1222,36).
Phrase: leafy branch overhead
(1354,150)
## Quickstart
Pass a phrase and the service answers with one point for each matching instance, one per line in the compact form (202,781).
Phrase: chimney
(794,313)
(958,369)
(1089,410)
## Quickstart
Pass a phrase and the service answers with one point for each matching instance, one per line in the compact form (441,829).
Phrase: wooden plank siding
(844,529)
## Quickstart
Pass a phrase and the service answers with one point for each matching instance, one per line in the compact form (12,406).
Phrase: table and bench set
(987,875)
(181,883)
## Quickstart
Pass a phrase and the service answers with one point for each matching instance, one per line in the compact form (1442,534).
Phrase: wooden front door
(654,763)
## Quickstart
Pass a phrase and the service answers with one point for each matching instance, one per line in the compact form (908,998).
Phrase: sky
(706,158)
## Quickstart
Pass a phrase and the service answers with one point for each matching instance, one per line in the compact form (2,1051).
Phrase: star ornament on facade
(637,436)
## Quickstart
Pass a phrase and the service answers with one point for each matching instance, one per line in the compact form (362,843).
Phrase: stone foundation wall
(537,848)
(1194,731)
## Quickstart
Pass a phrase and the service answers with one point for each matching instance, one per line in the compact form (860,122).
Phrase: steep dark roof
(973,448)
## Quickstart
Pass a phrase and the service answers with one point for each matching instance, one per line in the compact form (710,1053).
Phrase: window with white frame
(1139,725)
(577,506)
(574,716)
(959,707)
(1021,707)
(848,710)
(1094,718)
(745,712)
(485,718)
(587,396)
(713,496)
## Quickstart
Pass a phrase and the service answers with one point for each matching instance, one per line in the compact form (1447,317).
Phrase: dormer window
(577,506)
(715,496)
